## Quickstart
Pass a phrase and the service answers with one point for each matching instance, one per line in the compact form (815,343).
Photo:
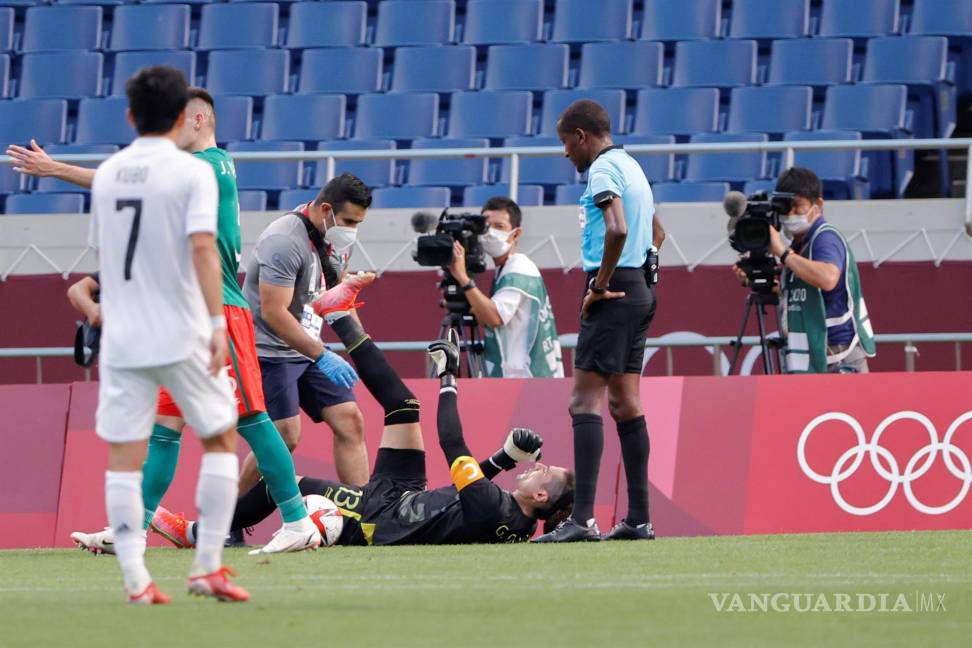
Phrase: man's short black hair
(157,95)
(800,182)
(502,203)
(587,115)
(345,188)
(195,92)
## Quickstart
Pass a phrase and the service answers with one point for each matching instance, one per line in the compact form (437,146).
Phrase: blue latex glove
(337,369)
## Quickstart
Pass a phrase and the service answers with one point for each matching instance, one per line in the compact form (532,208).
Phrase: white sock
(123,500)
(303,525)
(215,499)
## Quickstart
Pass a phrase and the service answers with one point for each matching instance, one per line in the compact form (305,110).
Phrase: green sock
(159,468)
(275,464)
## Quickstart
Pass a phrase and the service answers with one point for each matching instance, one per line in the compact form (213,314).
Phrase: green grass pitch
(611,594)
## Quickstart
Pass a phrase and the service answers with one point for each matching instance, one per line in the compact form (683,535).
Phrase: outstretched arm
(35,161)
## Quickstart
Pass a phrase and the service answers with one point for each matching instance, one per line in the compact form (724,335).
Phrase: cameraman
(521,336)
(828,329)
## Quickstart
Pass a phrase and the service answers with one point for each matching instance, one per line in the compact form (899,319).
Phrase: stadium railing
(787,148)
(714,345)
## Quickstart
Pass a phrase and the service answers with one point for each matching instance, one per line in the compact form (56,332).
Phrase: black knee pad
(402,408)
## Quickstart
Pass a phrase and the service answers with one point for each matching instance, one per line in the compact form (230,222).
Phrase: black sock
(635,448)
(254,506)
(378,376)
(588,446)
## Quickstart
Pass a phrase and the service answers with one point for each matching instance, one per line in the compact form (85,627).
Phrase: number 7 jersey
(146,201)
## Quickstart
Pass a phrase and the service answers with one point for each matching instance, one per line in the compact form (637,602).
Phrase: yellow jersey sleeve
(465,471)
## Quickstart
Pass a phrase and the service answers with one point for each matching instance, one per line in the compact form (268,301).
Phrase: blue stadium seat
(726,167)
(46,75)
(42,119)
(188,2)
(238,25)
(582,21)
(347,70)
(4,75)
(860,18)
(103,3)
(527,67)
(643,65)
(942,18)
(449,173)
(397,115)
(415,22)
(327,24)
(410,197)
(569,194)
(666,192)
(814,62)
(253,200)
(875,111)
(305,118)
(547,171)
(10,180)
(716,64)
(841,172)
(527,195)
(434,69)
(269,176)
(657,167)
(771,109)
(494,114)
(156,27)
(62,28)
(128,63)
(499,22)
(45,203)
(770,19)
(556,101)
(374,173)
(102,121)
(234,118)
(6,28)
(677,111)
(292,198)
(921,62)
(676,20)
(248,72)
(53,185)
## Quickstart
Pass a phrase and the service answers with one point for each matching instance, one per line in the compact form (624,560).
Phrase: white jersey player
(153,222)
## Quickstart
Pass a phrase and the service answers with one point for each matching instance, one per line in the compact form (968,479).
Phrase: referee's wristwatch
(594,289)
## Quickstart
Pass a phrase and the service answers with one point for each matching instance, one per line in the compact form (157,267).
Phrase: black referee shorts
(611,339)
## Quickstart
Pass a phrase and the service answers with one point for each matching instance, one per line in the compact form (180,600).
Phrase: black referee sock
(382,381)
(254,506)
(635,448)
(588,446)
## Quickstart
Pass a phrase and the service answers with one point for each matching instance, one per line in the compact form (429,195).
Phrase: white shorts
(127,398)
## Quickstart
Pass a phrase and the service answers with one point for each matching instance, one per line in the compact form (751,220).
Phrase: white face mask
(341,238)
(796,224)
(497,242)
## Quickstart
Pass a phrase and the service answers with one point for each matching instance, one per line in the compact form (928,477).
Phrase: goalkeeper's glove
(521,444)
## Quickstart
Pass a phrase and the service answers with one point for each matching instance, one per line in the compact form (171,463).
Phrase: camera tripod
(460,318)
(758,300)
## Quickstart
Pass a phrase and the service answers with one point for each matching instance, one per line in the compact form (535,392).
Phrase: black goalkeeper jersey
(388,512)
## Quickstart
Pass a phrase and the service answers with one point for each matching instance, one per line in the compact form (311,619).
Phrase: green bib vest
(807,323)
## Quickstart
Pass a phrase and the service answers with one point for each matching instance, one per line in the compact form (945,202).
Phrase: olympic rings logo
(886,465)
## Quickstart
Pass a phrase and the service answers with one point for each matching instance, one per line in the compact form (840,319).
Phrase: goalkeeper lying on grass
(394,507)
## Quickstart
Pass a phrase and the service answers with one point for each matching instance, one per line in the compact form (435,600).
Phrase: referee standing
(617,212)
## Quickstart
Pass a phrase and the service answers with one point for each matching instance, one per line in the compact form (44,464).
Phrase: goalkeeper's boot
(572,531)
(624,531)
(444,355)
(342,297)
(174,527)
(218,586)
(151,596)
(101,542)
(287,540)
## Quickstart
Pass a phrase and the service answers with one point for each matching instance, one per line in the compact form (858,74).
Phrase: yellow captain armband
(465,471)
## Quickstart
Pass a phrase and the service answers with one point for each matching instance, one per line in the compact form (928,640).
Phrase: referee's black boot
(572,531)
(624,531)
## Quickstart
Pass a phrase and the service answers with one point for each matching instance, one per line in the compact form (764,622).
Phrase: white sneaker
(286,540)
(97,543)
